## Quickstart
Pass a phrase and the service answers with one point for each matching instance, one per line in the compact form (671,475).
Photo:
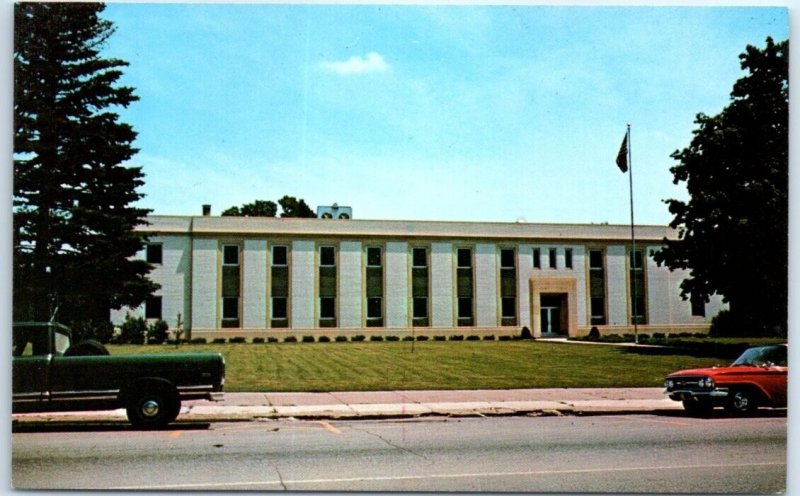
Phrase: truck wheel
(153,407)
(742,402)
(86,348)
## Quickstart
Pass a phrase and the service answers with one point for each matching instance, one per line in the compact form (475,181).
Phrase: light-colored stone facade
(549,292)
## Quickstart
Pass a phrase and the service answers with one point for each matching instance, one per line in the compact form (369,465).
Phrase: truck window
(62,342)
(29,341)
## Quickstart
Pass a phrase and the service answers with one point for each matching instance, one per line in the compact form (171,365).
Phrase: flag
(622,156)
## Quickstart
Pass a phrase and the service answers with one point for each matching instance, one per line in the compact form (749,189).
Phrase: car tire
(88,347)
(698,407)
(152,406)
(742,402)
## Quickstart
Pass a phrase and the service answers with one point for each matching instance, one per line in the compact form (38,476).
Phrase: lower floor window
(374,312)
(152,308)
(465,311)
(280,311)
(509,311)
(230,312)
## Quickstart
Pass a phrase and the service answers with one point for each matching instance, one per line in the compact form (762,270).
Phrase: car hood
(717,371)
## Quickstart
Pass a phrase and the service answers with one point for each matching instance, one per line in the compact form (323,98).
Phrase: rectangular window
(638,288)
(464,283)
(231,285)
(537,258)
(597,288)
(374,286)
(551,256)
(508,287)
(155,253)
(568,258)
(152,307)
(327,286)
(279,287)
(698,306)
(420,287)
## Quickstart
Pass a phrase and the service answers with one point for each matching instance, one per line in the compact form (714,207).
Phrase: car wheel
(742,402)
(153,407)
(699,407)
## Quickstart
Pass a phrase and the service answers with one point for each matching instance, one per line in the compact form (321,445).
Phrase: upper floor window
(327,256)
(230,254)
(155,253)
(551,256)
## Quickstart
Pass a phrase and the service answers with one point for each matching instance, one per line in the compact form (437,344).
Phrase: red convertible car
(756,378)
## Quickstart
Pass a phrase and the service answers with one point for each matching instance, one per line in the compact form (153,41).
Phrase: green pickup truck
(49,373)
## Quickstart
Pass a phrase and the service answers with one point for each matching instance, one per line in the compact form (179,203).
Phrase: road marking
(329,427)
(219,485)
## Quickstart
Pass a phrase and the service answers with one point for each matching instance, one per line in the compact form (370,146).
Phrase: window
(420,287)
(551,256)
(152,308)
(508,287)
(568,258)
(374,286)
(279,287)
(638,288)
(327,286)
(327,256)
(698,306)
(537,258)
(231,285)
(155,253)
(464,289)
(597,288)
(230,254)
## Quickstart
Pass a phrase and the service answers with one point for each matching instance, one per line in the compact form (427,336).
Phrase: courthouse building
(336,276)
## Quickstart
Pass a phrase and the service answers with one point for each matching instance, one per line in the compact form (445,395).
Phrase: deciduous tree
(733,230)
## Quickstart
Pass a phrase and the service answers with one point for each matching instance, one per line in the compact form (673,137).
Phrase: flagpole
(633,244)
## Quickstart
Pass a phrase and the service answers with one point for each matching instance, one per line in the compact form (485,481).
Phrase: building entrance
(551,314)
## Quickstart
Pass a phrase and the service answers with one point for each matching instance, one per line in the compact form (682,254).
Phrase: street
(627,453)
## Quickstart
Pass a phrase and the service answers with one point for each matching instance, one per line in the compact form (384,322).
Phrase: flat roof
(208,226)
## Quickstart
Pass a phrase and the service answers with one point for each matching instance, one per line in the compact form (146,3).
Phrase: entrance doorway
(551,314)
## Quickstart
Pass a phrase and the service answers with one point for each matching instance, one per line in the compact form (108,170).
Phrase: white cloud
(372,62)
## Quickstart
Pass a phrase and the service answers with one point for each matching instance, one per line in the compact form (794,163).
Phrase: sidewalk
(397,404)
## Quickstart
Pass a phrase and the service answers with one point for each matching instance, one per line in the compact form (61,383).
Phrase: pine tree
(74,237)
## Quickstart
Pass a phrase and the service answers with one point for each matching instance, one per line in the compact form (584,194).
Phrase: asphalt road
(631,453)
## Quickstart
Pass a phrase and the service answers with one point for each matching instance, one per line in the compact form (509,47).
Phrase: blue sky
(479,113)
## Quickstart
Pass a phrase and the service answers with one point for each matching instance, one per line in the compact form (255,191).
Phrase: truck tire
(152,406)
(86,348)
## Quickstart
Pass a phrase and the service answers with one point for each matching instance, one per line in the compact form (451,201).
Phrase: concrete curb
(362,411)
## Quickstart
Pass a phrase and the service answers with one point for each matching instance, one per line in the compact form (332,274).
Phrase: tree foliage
(733,231)
(290,207)
(74,235)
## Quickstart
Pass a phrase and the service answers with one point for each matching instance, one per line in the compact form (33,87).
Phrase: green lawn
(433,365)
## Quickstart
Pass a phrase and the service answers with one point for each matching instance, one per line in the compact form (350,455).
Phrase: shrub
(341,339)
(392,338)
(272,339)
(218,341)
(505,338)
(594,333)
(422,338)
(473,338)
(133,330)
(489,337)
(157,332)
(258,340)
(525,333)
(408,338)
(199,341)
(290,339)
(457,337)
(237,340)
(376,338)
(358,338)
(324,339)
(659,335)
(101,331)
(308,339)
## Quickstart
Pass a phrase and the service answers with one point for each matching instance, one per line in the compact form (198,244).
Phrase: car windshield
(763,355)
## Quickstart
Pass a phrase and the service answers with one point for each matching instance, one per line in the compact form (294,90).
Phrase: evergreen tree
(733,231)
(74,235)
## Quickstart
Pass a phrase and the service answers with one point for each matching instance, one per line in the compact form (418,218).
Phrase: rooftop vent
(334,212)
